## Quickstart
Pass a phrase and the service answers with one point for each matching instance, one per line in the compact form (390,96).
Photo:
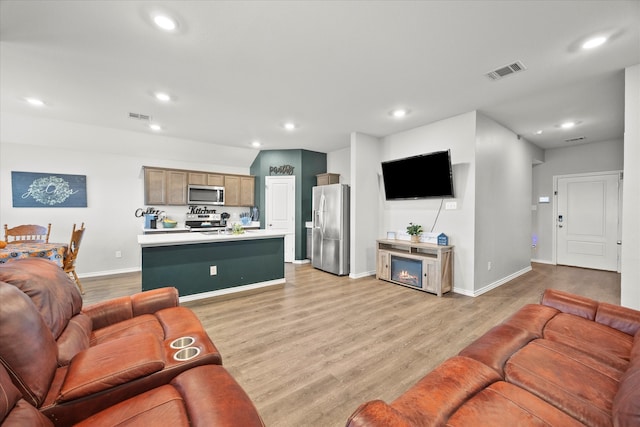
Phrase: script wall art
(48,190)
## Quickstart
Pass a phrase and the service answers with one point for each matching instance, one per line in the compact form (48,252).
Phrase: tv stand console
(423,266)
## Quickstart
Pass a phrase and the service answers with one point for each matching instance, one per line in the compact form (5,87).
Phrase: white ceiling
(239,69)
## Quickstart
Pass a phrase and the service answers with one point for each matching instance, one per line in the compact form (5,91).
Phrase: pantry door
(588,221)
(280,211)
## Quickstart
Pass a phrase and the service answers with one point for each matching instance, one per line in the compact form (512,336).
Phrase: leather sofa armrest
(377,413)
(116,310)
(111,364)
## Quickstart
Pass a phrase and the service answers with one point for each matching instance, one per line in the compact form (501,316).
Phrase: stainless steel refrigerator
(330,232)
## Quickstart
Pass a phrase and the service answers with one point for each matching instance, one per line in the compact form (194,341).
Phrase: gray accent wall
(306,164)
(583,158)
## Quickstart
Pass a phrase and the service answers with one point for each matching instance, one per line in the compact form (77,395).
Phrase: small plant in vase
(414,230)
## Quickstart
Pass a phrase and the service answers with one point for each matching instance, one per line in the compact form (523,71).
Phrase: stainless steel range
(203,221)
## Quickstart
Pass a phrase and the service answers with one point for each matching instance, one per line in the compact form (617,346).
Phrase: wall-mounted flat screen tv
(419,177)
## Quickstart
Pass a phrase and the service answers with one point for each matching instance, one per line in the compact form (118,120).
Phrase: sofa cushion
(532,317)
(571,380)
(14,410)
(588,336)
(111,364)
(202,397)
(621,318)
(503,404)
(439,393)
(52,291)
(570,303)
(147,323)
(496,346)
(74,338)
(626,405)
(27,348)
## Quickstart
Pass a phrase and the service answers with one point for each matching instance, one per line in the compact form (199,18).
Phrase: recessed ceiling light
(164,97)
(290,126)
(399,113)
(256,144)
(35,102)
(538,132)
(155,127)
(165,22)
(567,125)
(594,42)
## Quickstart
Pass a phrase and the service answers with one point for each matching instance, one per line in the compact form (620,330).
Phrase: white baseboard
(109,272)
(301,261)
(232,290)
(501,282)
(543,261)
(361,275)
(491,286)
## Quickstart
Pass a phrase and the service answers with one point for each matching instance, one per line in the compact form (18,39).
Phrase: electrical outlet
(118,254)
(213,270)
(451,205)
(489,265)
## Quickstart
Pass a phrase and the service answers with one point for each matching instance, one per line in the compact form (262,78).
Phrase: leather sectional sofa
(141,358)
(568,361)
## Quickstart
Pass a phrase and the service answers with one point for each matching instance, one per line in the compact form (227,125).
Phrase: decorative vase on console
(414,230)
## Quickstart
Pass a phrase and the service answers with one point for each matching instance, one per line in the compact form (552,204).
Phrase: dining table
(51,251)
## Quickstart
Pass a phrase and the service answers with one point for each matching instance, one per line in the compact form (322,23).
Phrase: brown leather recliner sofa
(568,361)
(70,362)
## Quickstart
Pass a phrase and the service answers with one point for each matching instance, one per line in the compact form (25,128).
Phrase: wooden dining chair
(69,262)
(27,234)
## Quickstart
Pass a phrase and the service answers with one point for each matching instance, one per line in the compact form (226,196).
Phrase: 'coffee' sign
(281,170)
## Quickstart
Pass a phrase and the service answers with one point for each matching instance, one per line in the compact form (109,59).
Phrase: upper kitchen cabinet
(176,187)
(203,178)
(155,192)
(239,190)
(165,187)
(247,190)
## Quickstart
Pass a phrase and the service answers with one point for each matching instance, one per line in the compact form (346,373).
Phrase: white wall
(340,162)
(458,134)
(503,210)
(112,161)
(583,158)
(365,206)
(630,281)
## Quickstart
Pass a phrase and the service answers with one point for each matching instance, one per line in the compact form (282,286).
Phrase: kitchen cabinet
(231,190)
(215,179)
(176,187)
(247,190)
(203,178)
(154,187)
(164,186)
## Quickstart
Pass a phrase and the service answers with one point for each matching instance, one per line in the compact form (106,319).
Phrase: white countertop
(170,239)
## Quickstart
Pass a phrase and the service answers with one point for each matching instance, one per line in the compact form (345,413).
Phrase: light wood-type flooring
(312,350)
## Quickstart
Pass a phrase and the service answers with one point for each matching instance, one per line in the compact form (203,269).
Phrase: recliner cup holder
(186,353)
(182,342)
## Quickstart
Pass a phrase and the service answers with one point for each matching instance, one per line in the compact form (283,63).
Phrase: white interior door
(280,212)
(587,221)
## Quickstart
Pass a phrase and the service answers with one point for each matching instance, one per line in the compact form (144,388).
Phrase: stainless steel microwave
(205,195)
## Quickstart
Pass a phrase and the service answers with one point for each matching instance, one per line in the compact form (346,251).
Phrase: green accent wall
(187,267)
(307,164)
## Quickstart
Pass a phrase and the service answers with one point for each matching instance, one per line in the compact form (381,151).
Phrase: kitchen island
(209,263)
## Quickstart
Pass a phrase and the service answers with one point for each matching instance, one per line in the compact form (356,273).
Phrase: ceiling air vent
(506,70)
(579,138)
(139,116)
